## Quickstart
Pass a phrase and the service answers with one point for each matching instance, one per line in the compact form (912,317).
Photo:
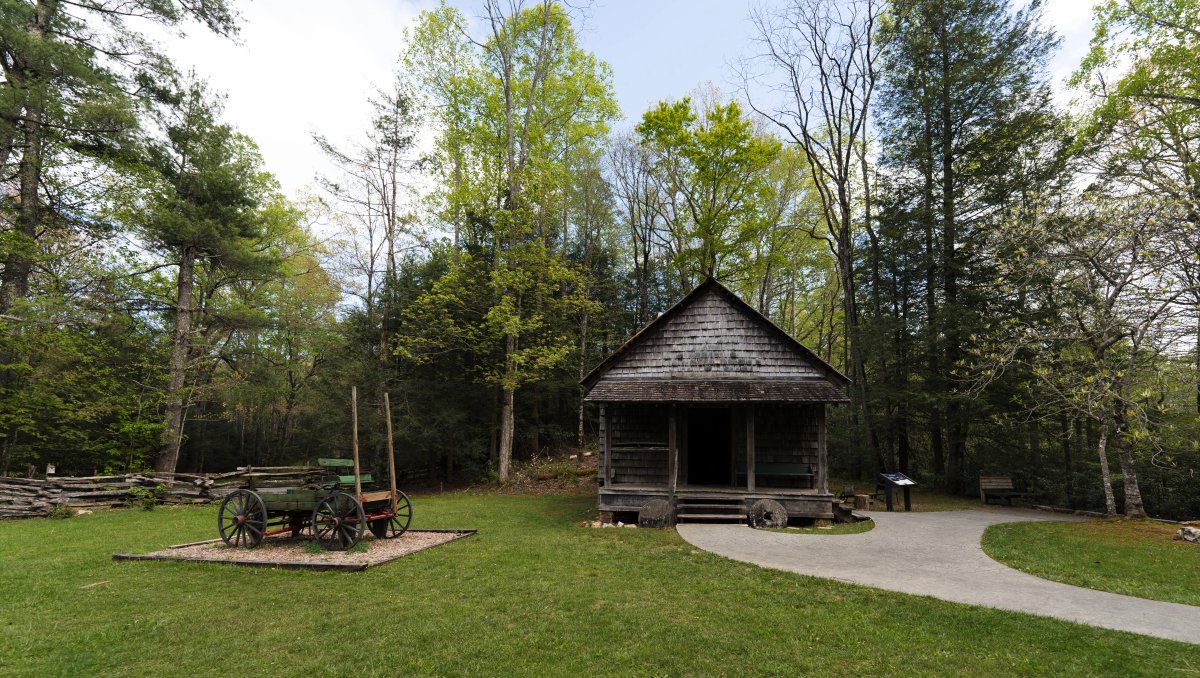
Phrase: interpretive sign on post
(888,482)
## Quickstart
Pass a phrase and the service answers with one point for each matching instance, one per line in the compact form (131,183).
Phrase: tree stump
(656,513)
(768,513)
(1189,534)
(862,502)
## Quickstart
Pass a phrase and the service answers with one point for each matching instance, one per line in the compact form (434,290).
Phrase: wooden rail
(35,497)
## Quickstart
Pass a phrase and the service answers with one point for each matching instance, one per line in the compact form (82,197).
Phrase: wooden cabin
(712,407)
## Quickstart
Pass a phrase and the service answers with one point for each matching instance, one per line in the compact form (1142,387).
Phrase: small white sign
(49,469)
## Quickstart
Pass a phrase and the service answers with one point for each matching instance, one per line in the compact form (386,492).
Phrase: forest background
(1011,282)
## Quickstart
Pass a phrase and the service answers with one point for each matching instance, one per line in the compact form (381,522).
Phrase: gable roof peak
(816,366)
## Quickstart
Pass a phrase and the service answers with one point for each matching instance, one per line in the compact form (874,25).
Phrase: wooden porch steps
(724,506)
(709,509)
(731,517)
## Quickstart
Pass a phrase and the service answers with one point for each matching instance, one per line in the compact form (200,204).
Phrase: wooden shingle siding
(638,425)
(640,466)
(716,391)
(787,434)
(639,444)
(712,339)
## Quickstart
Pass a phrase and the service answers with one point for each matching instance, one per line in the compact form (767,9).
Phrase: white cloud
(299,66)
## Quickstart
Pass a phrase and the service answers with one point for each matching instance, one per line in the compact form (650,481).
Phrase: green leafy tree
(204,187)
(969,135)
(1142,127)
(711,168)
(65,92)
(534,96)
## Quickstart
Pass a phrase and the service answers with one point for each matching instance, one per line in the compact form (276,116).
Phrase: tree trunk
(1133,493)
(6,451)
(1110,503)
(933,360)
(180,345)
(14,282)
(1068,465)
(493,430)
(1035,446)
(956,424)
(507,419)
(458,212)
(583,332)
(14,285)
(845,256)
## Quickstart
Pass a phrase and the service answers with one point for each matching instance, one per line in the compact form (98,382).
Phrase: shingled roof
(714,347)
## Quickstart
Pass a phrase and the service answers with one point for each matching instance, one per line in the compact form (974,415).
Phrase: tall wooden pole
(387,412)
(822,454)
(672,454)
(750,462)
(354,420)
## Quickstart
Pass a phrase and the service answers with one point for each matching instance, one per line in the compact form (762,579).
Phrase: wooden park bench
(998,487)
(768,469)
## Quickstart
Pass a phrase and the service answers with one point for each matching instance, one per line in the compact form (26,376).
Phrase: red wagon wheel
(242,519)
(338,522)
(402,512)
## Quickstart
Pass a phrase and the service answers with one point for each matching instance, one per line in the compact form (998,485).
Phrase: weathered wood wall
(638,435)
(787,434)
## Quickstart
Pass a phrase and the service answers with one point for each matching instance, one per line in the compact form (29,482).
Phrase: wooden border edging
(312,566)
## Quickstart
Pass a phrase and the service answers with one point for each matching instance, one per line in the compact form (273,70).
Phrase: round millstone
(656,513)
(768,513)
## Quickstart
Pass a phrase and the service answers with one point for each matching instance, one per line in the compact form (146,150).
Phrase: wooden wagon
(337,513)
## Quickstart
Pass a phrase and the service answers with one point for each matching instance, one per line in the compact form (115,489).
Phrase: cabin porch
(714,460)
(707,502)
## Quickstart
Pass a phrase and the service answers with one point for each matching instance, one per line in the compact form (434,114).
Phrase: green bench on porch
(773,469)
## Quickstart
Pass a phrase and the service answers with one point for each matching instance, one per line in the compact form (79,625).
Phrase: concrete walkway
(939,555)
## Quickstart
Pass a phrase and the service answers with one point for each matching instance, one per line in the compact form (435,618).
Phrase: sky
(305,66)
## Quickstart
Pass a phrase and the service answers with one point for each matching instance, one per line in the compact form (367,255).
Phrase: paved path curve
(939,555)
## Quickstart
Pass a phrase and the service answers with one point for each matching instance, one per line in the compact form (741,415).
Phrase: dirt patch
(547,476)
(298,553)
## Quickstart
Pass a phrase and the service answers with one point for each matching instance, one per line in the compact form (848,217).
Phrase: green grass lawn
(1136,558)
(531,594)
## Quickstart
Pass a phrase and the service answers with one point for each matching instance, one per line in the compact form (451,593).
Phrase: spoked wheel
(338,522)
(242,519)
(388,528)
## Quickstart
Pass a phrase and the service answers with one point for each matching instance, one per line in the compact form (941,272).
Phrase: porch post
(750,448)
(673,453)
(822,457)
(606,444)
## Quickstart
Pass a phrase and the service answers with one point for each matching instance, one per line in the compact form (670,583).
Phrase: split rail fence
(36,497)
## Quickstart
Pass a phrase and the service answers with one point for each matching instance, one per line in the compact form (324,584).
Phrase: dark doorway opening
(710,446)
